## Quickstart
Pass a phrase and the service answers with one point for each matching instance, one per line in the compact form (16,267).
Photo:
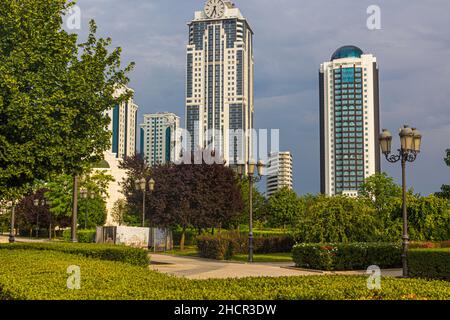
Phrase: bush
(354,256)
(226,245)
(83,236)
(32,275)
(124,254)
(429,263)
(216,247)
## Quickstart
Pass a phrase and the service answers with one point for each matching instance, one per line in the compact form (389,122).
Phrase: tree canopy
(54,93)
(284,206)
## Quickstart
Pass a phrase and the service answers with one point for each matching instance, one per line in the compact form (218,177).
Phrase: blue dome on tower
(347,52)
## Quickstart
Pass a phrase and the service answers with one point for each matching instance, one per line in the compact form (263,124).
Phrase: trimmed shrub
(133,256)
(33,275)
(226,245)
(83,236)
(216,247)
(352,256)
(429,263)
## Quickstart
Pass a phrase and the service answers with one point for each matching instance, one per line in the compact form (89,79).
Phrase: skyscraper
(219,88)
(123,126)
(158,134)
(349,121)
(279,172)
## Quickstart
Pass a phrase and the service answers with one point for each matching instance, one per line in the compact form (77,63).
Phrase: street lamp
(12,233)
(411,142)
(251,179)
(85,194)
(37,203)
(141,185)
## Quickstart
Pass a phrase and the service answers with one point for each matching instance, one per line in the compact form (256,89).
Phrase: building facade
(123,126)
(279,172)
(349,121)
(158,138)
(219,84)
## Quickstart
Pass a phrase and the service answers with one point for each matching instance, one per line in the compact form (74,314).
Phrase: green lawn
(192,251)
(189,251)
(42,275)
(271,257)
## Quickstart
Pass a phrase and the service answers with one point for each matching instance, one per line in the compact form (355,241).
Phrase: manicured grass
(138,257)
(42,275)
(271,257)
(189,251)
(192,251)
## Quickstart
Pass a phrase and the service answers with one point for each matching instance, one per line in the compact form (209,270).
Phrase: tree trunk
(183,238)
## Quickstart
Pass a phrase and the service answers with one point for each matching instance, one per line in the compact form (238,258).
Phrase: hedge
(226,245)
(354,256)
(429,263)
(83,236)
(133,256)
(33,275)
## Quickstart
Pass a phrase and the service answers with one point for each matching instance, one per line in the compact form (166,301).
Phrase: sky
(292,38)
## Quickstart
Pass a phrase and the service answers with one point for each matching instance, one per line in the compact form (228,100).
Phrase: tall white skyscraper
(279,172)
(123,126)
(349,121)
(219,90)
(158,138)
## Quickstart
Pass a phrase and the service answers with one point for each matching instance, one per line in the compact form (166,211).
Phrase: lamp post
(411,141)
(12,233)
(38,204)
(75,210)
(85,194)
(141,185)
(251,179)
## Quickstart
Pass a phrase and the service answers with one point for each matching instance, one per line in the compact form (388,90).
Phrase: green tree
(120,211)
(91,210)
(283,208)
(429,218)
(259,205)
(380,190)
(336,219)
(54,94)
(136,168)
(447,158)
(445,192)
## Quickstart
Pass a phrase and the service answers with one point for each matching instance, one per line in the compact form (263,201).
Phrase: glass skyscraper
(349,121)
(219,87)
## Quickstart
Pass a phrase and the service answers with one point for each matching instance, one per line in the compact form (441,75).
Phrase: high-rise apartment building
(123,126)
(279,172)
(158,138)
(349,121)
(219,88)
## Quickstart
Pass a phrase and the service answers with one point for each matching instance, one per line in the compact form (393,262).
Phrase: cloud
(292,38)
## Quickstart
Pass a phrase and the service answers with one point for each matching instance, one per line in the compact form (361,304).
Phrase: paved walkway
(197,268)
(5,239)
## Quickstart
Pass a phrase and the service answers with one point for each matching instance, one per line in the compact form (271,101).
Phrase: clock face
(215,9)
